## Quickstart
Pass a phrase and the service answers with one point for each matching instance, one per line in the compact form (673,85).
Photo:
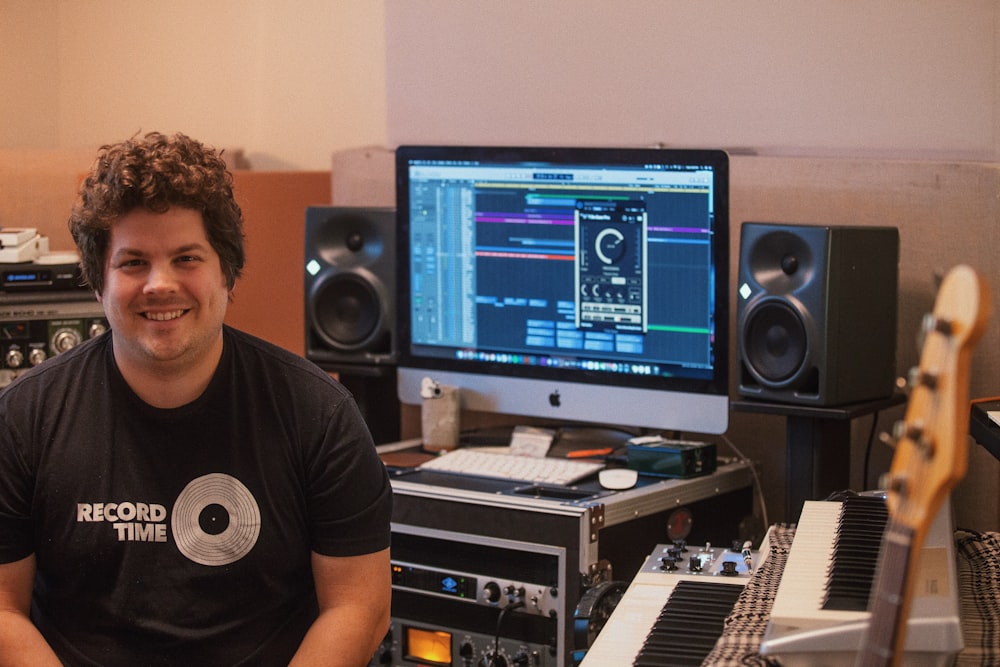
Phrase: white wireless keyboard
(546,470)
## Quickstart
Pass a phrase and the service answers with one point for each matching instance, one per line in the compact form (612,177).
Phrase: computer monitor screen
(574,284)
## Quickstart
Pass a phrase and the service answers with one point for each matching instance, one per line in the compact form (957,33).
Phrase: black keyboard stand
(817,446)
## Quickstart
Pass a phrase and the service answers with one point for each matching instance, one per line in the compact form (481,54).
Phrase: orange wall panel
(269,299)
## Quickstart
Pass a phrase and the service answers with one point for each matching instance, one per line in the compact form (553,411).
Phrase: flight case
(488,572)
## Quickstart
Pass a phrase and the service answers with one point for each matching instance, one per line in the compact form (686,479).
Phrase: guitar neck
(883,645)
(931,453)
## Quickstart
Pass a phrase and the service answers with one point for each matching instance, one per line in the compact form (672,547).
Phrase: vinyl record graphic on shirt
(216,520)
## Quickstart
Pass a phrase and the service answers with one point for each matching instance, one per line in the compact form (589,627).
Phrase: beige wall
(288,82)
(292,82)
(861,78)
(29,66)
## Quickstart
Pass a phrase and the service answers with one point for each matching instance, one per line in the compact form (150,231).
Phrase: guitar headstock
(931,443)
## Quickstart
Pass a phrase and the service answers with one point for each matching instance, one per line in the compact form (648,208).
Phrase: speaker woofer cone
(347,312)
(774,343)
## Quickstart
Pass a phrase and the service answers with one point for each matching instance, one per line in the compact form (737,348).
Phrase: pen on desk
(589,453)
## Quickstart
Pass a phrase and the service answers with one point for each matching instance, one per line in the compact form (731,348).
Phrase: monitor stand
(374,390)
(817,446)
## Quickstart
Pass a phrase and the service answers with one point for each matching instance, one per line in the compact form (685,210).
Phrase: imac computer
(581,285)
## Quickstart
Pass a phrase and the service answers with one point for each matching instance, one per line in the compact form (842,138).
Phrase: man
(175,491)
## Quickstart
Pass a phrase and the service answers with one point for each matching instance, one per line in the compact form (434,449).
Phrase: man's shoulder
(269,355)
(287,378)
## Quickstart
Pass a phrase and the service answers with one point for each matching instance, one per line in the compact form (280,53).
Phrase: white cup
(439,416)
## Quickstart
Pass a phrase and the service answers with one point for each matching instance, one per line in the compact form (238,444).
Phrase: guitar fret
(888,603)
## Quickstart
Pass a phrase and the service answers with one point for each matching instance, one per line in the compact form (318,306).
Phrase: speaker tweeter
(817,313)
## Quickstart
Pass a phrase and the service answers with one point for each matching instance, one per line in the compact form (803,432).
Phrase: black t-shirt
(183,536)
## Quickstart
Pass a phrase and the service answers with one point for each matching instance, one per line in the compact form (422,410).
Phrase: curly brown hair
(156,172)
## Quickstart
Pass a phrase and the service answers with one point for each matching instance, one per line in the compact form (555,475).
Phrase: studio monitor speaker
(816,313)
(350,282)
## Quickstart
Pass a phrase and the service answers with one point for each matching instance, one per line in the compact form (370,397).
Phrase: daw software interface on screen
(583,267)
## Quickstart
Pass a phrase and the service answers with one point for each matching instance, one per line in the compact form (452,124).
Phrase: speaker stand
(817,446)
(374,389)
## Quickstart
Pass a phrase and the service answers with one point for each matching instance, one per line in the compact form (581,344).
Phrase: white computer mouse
(618,478)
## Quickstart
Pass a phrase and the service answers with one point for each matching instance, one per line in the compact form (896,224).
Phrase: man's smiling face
(165,295)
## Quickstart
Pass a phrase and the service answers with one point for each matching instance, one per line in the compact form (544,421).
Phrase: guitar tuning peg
(943,326)
(892,483)
(924,379)
(892,439)
(936,324)
(899,430)
(918,378)
(913,431)
(922,447)
(897,484)
(926,326)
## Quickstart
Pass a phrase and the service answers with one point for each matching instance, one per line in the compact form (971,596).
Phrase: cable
(868,452)
(756,479)
(495,658)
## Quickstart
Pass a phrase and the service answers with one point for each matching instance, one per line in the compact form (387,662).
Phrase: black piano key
(689,624)
(851,572)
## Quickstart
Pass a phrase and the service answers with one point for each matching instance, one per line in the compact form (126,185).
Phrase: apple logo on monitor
(554,399)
